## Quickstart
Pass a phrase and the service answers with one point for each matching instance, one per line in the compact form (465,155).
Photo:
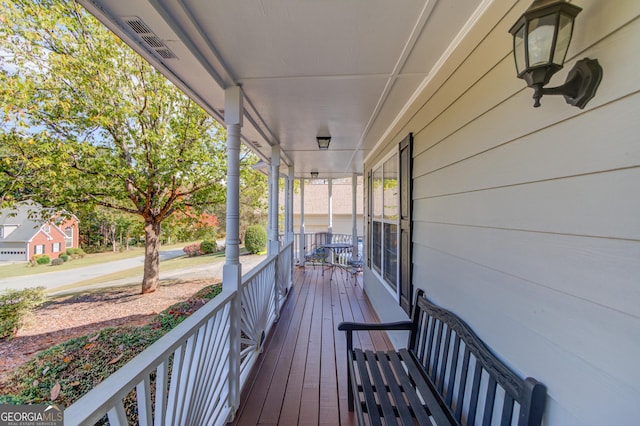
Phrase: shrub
(15,305)
(64,257)
(192,249)
(42,259)
(75,253)
(57,262)
(208,247)
(255,239)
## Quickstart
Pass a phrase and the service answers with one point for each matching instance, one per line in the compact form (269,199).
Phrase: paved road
(209,271)
(55,279)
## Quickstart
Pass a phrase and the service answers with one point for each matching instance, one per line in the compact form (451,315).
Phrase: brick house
(25,232)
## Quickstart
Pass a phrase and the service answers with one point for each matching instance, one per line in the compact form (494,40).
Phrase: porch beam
(232,269)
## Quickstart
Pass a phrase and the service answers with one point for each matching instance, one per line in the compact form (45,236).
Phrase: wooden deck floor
(301,377)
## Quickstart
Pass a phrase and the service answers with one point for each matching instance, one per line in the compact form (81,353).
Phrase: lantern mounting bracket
(580,86)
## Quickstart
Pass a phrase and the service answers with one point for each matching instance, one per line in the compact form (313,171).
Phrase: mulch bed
(63,318)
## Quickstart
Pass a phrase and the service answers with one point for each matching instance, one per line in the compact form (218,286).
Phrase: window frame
(68,239)
(381,272)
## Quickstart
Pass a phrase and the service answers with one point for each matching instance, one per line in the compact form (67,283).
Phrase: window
(384,220)
(38,249)
(68,233)
(389,194)
(55,247)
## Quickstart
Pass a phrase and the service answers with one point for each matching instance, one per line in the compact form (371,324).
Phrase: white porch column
(269,203)
(330,230)
(354,215)
(232,270)
(302,247)
(289,208)
(274,245)
(285,217)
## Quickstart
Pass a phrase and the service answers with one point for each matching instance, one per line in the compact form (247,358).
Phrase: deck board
(301,377)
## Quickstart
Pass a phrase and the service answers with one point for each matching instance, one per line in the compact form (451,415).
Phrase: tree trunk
(151,257)
(113,237)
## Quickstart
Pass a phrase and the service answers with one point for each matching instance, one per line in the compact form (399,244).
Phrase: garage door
(13,255)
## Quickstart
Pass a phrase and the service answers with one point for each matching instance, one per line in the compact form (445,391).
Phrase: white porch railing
(188,368)
(315,240)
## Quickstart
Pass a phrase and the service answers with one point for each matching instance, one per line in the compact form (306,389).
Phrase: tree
(253,194)
(93,124)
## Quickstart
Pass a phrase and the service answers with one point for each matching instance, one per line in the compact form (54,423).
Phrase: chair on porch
(317,255)
(355,266)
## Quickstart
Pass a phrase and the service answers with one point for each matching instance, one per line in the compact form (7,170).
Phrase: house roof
(28,217)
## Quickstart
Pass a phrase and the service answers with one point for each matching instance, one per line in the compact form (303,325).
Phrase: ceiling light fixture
(323,142)
(314,175)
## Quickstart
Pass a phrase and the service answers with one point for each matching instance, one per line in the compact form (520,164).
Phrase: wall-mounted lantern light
(323,142)
(541,39)
(314,175)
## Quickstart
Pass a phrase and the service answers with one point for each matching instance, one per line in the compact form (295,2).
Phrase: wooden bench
(446,376)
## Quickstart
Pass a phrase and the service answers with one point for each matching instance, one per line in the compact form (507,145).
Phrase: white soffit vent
(149,38)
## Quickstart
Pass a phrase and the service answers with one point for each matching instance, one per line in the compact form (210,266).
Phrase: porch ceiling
(345,68)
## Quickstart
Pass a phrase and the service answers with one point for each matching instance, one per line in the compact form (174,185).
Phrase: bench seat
(445,376)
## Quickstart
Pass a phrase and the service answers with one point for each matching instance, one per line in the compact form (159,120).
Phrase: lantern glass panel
(564,38)
(541,33)
(518,50)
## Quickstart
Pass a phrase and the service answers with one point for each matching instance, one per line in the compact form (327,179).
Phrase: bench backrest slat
(443,368)
(454,367)
(507,411)
(490,402)
(438,339)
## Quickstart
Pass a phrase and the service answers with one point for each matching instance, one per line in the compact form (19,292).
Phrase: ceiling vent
(149,38)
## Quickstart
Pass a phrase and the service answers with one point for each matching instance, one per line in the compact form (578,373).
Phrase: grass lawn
(22,269)
(176,263)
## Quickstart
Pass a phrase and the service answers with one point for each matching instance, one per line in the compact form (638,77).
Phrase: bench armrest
(350,327)
(363,326)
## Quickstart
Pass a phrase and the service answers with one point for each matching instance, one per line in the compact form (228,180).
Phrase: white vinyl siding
(526,221)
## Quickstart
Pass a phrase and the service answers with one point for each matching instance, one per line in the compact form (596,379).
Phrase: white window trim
(380,275)
(68,239)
